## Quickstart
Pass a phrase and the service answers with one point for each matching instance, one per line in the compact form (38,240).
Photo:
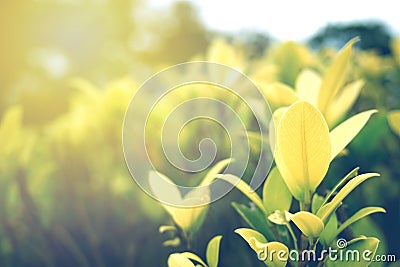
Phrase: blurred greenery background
(68,69)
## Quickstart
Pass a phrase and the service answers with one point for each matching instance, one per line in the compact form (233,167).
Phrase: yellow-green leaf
(276,195)
(303,149)
(342,135)
(308,83)
(394,121)
(172,242)
(280,217)
(194,257)
(263,249)
(191,217)
(335,76)
(343,102)
(217,168)
(179,260)
(163,188)
(309,224)
(279,95)
(326,210)
(273,126)
(366,247)
(222,52)
(253,238)
(353,173)
(166,228)
(276,254)
(244,188)
(212,253)
(358,216)
(190,211)
(249,235)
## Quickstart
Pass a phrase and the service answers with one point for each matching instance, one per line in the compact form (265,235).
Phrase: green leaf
(329,210)
(330,207)
(329,227)
(366,247)
(212,253)
(291,57)
(303,149)
(358,216)
(343,102)
(254,218)
(308,83)
(194,257)
(276,195)
(179,260)
(368,227)
(259,244)
(329,232)
(309,224)
(342,135)
(335,76)
(344,180)
(316,203)
(394,121)
(244,188)
(216,169)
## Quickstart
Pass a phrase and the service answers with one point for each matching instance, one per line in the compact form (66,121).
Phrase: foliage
(375,36)
(305,148)
(67,199)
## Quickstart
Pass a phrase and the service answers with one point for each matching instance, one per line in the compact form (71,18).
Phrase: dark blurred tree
(254,43)
(171,36)
(374,35)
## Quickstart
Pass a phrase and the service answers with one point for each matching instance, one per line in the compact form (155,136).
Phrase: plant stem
(311,242)
(296,247)
(293,236)
(303,246)
(303,242)
(305,205)
(315,245)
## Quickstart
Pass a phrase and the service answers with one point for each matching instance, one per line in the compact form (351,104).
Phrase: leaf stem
(305,206)
(296,247)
